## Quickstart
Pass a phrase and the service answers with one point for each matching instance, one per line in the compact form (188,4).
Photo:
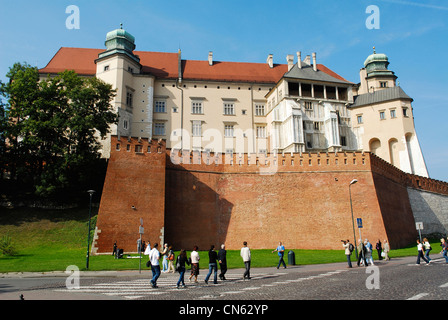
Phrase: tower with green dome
(375,74)
(120,41)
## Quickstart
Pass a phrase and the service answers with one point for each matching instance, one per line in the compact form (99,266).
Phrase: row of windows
(229,130)
(197,107)
(382,115)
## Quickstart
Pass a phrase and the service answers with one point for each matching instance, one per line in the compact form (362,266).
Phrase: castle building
(233,107)
(210,152)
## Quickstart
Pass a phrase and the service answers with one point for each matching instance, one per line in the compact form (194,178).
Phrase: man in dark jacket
(222,262)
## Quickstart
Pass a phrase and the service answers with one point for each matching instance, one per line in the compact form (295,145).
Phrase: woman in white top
(194,257)
(428,248)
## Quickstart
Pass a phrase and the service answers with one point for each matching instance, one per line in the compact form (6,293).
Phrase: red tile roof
(165,66)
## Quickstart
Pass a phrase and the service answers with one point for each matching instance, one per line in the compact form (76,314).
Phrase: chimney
(270,61)
(314,62)
(210,58)
(290,60)
(307,60)
(299,59)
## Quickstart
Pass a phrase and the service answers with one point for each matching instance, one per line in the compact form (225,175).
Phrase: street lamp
(90,192)
(353,221)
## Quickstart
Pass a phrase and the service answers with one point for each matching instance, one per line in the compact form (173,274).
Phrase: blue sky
(412,33)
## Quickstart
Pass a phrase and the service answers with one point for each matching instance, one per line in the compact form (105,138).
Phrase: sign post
(141,231)
(419,226)
(359,222)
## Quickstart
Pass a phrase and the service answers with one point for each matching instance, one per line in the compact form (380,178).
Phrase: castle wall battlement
(193,198)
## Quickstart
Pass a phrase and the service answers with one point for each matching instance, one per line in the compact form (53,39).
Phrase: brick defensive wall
(303,200)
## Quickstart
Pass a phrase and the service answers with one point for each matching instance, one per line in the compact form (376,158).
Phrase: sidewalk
(145,271)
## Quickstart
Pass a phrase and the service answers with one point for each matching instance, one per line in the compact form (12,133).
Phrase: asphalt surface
(398,279)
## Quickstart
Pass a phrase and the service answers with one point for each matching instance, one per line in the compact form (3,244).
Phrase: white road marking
(418,296)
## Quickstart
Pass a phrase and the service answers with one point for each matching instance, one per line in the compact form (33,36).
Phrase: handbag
(383,254)
(148,264)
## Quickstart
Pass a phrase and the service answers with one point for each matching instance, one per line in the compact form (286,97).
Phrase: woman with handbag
(180,267)
(170,259)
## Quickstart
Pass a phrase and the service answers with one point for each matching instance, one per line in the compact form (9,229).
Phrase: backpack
(351,247)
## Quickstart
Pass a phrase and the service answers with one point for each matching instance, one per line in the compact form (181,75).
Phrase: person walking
(245,254)
(420,253)
(362,254)
(281,252)
(212,265)
(180,264)
(444,246)
(154,257)
(427,248)
(369,248)
(171,259)
(194,260)
(165,258)
(386,250)
(379,249)
(348,252)
(222,259)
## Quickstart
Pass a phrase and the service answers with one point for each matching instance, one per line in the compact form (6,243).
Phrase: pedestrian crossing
(140,288)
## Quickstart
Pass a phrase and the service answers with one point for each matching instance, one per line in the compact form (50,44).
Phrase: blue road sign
(359,221)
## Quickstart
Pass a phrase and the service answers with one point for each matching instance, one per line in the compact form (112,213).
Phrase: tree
(55,126)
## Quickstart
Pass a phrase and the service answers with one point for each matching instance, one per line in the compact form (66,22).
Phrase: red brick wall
(133,179)
(304,204)
(299,199)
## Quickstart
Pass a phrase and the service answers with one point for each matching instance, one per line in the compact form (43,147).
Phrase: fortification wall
(301,199)
(134,189)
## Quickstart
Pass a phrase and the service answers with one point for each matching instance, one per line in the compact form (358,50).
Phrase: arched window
(393,152)
(374,145)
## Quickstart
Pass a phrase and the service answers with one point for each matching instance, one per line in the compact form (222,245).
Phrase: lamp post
(91,192)
(353,220)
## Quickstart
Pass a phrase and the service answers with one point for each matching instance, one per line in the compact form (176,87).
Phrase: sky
(412,33)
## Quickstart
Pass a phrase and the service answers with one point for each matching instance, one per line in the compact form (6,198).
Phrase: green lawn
(52,240)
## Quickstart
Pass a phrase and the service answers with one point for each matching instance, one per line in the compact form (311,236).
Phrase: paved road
(398,279)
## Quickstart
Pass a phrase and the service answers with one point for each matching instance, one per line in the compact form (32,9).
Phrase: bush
(7,247)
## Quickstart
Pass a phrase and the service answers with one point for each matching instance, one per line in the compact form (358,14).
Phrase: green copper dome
(120,33)
(376,64)
(120,41)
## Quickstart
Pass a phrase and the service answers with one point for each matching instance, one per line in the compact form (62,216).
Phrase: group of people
(365,250)
(424,248)
(182,261)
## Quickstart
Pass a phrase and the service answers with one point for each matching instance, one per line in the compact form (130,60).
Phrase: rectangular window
(317,125)
(228,130)
(129,99)
(382,115)
(393,113)
(159,129)
(229,109)
(259,110)
(160,106)
(343,141)
(383,84)
(197,128)
(196,107)
(261,132)
(359,118)
(308,105)
(405,112)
